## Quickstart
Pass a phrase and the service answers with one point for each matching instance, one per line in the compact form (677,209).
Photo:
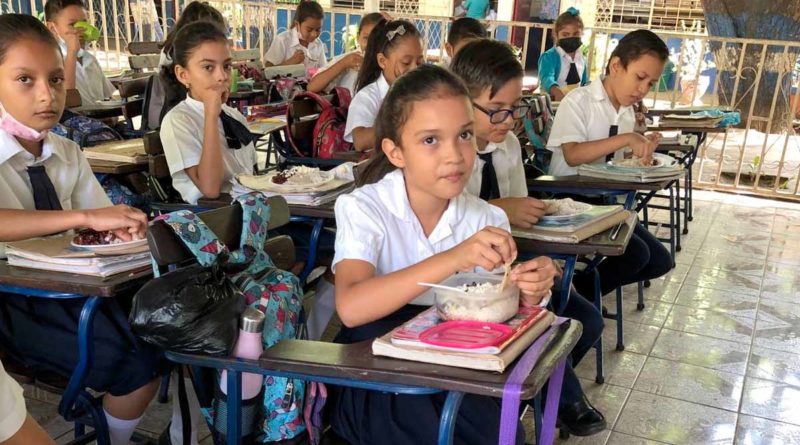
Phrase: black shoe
(580,419)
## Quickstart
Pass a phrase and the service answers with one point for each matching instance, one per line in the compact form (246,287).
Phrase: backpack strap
(255,218)
(196,236)
(342,97)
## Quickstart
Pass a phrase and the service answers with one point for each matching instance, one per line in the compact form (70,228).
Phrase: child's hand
(126,222)
(354,60)
(641,146)
(488,249)
(73,41)
(534,278)
(521,212)
(298,58)
(212,99)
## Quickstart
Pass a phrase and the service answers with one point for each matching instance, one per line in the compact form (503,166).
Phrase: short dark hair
(373,18)
(466,28)
(636,44)
(15,27)
(485,64)
(53,7)
(308,9)
(425,82)
(194,12)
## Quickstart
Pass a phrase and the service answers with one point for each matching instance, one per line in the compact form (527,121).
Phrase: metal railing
(758,78)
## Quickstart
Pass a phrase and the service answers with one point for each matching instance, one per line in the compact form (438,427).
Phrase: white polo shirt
(364,107)
(68,169)
(586,114)
(286,43)
(182,138)
(90,81)
(375,223)
(507,161)
(12,406)
(346,79)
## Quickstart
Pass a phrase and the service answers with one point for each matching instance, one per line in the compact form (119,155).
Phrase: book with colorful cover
(579,221)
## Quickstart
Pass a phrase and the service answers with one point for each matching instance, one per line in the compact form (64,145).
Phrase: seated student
(394,48)
(301,43)
(596,122)
(411,222)
(205,141)
(82,71)
(49,188)
(342,71)
(493,75)
(563,68)
(17,427)
(463,31)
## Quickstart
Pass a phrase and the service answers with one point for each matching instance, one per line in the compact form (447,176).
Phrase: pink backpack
(316,125)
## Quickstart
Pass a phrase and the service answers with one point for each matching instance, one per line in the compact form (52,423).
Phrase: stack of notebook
(130,151)
(56,254)
(576,229)
(690,121)
(404,342)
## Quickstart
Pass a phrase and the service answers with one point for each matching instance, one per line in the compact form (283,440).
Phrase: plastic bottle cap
(252,320)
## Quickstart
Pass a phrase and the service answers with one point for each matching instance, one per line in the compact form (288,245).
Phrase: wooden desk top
(586,182)
(245,95)
(598,244)
(73,283)
(325,211)
(114,167)
(356,362)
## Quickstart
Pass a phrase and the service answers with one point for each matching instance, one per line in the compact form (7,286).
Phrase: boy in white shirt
(82,71)
(493,75)
(301,43)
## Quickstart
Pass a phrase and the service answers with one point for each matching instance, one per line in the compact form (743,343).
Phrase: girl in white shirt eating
(394,48)
(343,70)
(301,43)
(416,224)
(205,141)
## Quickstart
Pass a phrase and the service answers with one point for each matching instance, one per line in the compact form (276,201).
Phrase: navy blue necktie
(237,135)
(490,189)
(44,194)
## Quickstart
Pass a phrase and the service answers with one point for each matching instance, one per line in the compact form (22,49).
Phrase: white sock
(176,427)
(322,310)
(120,431)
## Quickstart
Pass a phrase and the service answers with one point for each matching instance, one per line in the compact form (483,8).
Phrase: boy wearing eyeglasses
(493,74)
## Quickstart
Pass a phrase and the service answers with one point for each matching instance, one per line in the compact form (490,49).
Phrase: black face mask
(570,44)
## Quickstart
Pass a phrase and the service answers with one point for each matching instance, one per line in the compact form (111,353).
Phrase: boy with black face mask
(563,68)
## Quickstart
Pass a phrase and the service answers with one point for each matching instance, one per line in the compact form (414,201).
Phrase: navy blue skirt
(43,335)
(364,417)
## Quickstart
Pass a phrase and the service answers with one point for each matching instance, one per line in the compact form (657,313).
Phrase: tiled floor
(714,358)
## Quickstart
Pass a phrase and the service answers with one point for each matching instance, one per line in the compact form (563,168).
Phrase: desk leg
(234,420)
(598,302)
(447,422)
(311,262)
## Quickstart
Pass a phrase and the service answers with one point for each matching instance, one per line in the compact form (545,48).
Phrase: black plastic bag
(192,310)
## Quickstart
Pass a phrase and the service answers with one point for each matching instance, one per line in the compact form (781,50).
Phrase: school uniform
(364,107)
(499,163)
(43,333)
(12,406)
(586,114)
(558,68)
(376,224)
(182,138)
(346,79)
(90,81)
(287,43)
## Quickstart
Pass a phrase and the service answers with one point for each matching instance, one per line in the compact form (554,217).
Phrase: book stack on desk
(130,151)
(404,342)
(574,230)
(689,121)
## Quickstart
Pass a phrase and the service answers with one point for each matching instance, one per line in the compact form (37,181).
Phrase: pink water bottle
(248,346)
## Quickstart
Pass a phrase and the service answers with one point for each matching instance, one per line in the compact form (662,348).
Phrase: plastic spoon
(440,286)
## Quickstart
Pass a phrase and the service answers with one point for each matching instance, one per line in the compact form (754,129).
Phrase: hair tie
(400,30)
(573,11)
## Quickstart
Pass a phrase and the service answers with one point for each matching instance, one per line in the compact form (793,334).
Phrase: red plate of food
(107,243)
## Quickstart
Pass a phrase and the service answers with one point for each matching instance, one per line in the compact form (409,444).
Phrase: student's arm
(24,224)
(549,67)
(31,433)
(521,212)
(325,77)
(535,279)
(556,93)
(208,174)
(364,138)
(16,426)
(586,152)
(362,297)
(71,60)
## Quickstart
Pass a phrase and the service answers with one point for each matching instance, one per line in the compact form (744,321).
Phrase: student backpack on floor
(276,293)
(322,136)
